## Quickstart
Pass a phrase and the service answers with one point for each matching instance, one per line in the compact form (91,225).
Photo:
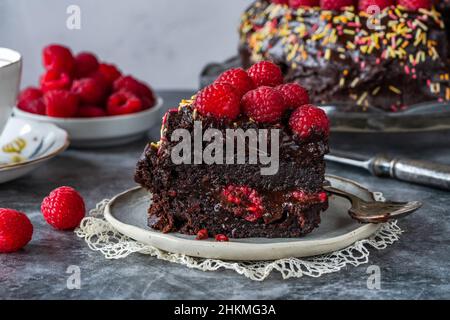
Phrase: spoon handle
(414,171)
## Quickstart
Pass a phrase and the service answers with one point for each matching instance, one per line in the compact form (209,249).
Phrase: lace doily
(101,236)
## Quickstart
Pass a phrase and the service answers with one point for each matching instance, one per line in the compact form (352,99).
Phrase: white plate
(25,145)
(102,131)
(127,212)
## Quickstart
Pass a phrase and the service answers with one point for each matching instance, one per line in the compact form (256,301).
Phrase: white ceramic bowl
(102,131)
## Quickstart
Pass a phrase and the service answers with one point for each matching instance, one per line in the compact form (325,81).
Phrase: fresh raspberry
(309,119)
(109,72)
(30,100)
(238,79)
(265,73)
(16,230)
(55,80)
(89,90)
(86,64)
(365,4)
(221,238)
(91,112)
(140,89)
(247,203)
(202,234)
(123,102)
(218,100)
(61,104)
(264,104)
(295,4)
(58,58)
(280,1)
(415,4)
(294,95)
(336,4)
(63,208)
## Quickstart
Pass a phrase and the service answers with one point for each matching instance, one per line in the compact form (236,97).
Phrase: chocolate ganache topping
(390,61)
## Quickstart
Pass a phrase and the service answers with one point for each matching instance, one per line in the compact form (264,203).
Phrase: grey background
(165,43)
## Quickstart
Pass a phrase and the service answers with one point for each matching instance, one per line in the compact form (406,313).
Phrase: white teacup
(10,73)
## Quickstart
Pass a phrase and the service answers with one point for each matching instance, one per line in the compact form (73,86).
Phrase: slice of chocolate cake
(390,60)
(260,170)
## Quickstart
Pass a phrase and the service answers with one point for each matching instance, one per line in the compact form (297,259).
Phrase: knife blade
(414,171)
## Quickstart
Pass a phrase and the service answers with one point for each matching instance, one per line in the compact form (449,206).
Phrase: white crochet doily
(101,236)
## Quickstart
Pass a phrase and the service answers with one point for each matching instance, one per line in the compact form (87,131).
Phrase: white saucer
(25,145)
(102,131)
(127,212)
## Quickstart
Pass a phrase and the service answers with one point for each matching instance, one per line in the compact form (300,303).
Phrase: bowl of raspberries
(92,100)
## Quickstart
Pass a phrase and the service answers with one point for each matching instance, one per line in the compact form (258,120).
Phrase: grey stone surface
(416,267)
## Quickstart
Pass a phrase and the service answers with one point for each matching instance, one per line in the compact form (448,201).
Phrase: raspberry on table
(61,104)
(123,102)
(31,100)
(89,90)
(86,64)
(91,112)
(335,4)
(55,80)
(58,58)
(218,100)
(63,208)
(16,230)
(294,95)
(265,73)
(309,119)
(295,4)
(238,79)
(264,104)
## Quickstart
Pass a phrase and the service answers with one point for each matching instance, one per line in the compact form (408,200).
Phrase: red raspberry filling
(303,197)
(246,202)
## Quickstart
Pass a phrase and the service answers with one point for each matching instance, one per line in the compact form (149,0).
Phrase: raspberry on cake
(264,104)
(227,199)
(340,54)
(238,79)
(265,73)
(294,95)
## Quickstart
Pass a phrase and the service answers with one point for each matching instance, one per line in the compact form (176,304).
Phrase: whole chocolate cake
(232,197)
(392,60)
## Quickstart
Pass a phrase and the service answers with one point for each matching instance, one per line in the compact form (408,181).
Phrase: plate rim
(362,232)
(45,157)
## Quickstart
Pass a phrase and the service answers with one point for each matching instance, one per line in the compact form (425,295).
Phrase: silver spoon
(374,211)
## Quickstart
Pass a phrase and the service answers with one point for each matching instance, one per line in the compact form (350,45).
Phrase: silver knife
(414,171)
